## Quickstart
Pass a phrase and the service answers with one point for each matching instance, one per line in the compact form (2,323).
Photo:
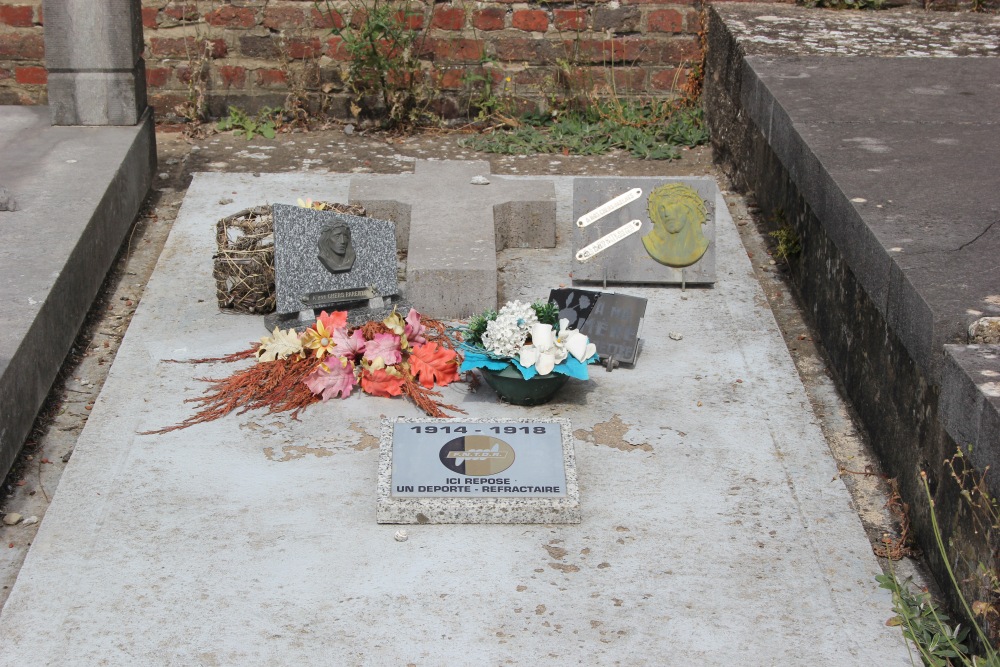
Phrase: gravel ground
(35,477)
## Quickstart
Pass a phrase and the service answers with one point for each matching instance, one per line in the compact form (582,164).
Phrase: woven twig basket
(244,263)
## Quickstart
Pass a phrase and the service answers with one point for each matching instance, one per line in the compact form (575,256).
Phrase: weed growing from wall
(384,70)
(938,643)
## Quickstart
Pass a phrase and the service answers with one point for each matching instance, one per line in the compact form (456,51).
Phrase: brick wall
(253,53)
(22,52)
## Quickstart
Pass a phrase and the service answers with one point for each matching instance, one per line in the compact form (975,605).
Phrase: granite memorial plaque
(644,230)
(332,261)
(611,321)
(477,471)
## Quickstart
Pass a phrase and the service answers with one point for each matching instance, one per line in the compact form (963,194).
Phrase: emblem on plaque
(677,213)
(336,252)
(477,455)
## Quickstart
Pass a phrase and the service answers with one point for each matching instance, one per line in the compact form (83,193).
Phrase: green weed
(788,243)
(923,623)
(652,130)
(919,616)
(240,123)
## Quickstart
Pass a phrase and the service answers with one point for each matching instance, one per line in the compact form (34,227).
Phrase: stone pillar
(93,52)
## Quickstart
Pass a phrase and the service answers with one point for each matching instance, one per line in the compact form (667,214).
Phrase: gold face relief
(677,213)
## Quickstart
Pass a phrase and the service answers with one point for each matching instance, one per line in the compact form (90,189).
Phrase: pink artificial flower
(385,347)
(414,329)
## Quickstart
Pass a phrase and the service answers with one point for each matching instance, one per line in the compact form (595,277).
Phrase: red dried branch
(275,385)
(426,399)
(249,353)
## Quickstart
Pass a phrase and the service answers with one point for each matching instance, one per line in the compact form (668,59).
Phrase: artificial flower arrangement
(330,359)
(529,337)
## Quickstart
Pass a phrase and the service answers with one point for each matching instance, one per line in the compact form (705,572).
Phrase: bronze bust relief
(677,213)
(336,252)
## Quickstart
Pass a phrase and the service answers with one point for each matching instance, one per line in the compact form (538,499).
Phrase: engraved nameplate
(328,297)
(608,207)
(609,240)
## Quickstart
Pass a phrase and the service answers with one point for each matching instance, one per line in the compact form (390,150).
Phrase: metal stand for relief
(477,471)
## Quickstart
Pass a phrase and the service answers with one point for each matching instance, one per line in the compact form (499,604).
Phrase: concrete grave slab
(627,260)
(452,228)
(687,478)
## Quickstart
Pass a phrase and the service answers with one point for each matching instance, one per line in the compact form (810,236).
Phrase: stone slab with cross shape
(453,229)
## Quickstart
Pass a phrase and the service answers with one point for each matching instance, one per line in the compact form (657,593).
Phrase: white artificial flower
(575,342)
(529,355)
(507,333)
(548,349)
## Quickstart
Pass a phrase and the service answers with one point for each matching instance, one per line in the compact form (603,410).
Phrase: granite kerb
(883,330)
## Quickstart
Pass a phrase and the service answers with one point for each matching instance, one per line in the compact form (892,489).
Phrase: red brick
(571,19)
(22,46)
(401,79)
(186,47)
(165,103)
(300,49)
(535,76)
(668,79)
(336,49)
(6,74)
(453,50)
(597,50)
(694,22)
(411,19)
(616,20)
(149,16)
(233,76)
(672,51)
(157,77)
(488,19)
(665,20)
(18,16)
(629,79)
(331,20)
(448,18)
(451,79)
(183,74)
(530,20)
(229,16)
(31,75)
(281,18)
(216,47)
(526,49)
(272,78)
(188,12)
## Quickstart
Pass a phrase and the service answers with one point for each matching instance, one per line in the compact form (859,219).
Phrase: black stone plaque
(610,320)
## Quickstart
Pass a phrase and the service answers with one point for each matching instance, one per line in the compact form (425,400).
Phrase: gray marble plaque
(477,471)
(298,271)
(647,255)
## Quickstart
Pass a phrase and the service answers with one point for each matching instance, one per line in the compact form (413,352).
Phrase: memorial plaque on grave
(328,260)
(610,320)
(644,230)
(477,471)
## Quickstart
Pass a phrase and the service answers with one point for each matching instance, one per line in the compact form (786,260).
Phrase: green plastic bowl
(511,386)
